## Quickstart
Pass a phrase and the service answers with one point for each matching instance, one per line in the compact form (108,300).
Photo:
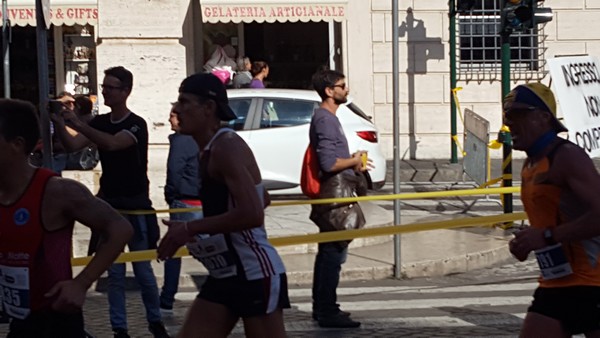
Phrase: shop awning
(237,11)
(63,12)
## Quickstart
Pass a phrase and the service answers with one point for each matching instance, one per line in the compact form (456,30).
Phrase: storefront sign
(62,15)
(247,11)
(576,84)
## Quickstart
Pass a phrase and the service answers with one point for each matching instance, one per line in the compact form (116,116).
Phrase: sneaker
(337,321)
(315,316)
(120,333)
(158,330)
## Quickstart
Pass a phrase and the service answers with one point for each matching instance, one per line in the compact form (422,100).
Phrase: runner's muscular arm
(67,201)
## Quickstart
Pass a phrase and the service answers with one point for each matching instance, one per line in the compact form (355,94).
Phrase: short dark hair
(257,67)
(323,79)
(122,74)
(19,119)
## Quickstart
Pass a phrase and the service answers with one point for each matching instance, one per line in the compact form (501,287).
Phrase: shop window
(479,46)
(79,53)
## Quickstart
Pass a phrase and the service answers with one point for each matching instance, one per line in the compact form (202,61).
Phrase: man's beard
(340,101)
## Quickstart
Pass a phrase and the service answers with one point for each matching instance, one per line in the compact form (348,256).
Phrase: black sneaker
(120,333)
(337,321)
(315,316)
(158,330)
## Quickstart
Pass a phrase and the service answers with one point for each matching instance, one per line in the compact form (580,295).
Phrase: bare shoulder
(231,147)
(571,156)
(61,189)
(572,163)
(65,194)
(230,151)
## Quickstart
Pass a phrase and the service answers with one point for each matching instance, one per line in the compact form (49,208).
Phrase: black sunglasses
(342,86)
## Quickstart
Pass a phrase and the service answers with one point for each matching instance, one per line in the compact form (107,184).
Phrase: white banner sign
(576,84)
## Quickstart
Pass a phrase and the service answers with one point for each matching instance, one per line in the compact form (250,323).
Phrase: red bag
(309,179)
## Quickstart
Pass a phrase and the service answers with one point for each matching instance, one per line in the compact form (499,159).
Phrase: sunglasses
(342,86)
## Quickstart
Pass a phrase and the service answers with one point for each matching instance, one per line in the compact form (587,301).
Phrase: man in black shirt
(122,140)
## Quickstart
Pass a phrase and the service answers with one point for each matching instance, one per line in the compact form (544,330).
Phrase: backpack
(309,179)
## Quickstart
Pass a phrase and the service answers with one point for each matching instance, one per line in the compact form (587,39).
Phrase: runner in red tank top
(38,210)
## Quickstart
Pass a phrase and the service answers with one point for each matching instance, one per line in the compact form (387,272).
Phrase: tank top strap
(217,134)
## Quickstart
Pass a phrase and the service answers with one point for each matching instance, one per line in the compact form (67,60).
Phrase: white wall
(425,77)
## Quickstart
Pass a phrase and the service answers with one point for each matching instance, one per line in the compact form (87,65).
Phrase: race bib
(14,290)
(553,262)
(213,253)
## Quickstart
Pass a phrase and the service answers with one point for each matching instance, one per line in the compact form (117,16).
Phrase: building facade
(162,41)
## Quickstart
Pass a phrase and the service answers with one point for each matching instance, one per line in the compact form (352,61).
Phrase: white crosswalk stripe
(427,307)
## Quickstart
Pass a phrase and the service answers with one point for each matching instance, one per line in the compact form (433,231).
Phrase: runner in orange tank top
(561,195)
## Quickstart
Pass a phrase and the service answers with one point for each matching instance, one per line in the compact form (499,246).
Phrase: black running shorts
(247,298)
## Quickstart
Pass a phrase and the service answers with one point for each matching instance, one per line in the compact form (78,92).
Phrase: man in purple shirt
(338,179)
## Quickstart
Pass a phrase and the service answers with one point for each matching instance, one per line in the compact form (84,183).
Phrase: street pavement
(488,302)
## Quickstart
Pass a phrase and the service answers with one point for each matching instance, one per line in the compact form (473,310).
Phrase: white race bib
(553,262)
(213,253)
(14,290)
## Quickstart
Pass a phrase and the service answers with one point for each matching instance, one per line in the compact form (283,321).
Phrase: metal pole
(453,128)
(505,136)
(6,48)
(42,60)
(396,129)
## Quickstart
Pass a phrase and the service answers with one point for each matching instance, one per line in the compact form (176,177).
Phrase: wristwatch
(549,236)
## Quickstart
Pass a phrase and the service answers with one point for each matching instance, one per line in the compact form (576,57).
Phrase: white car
(275,123)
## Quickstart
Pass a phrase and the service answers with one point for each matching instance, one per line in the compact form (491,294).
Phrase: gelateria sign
(62,12)
(237,11)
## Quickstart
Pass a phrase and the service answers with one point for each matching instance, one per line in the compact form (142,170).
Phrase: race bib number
(553,262)
(213,253)
(14,289)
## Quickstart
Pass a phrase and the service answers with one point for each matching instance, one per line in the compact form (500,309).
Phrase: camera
(55,106)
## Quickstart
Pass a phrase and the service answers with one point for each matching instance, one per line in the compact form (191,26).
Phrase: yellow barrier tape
(506,161)
(490,182)
(462,119)
(462,151)
(333,236)
(457,102)
(405,196)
